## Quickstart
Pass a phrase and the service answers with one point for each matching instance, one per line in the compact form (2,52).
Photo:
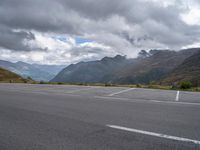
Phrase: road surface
(64,117)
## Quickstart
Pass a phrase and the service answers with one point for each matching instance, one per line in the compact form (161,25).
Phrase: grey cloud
(14,40)
(134,40)
(158,24)
(100,9)
(79,51)
(43,16)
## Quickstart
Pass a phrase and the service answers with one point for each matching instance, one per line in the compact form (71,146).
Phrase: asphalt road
(59,117)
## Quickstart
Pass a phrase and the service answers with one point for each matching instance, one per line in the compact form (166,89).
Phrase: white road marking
(143,100)
(177,96)
(112,94)
(155,134)
(84,89)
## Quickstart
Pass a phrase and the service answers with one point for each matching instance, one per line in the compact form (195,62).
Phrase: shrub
(42,82)
(138,86)
(108,84)
(185,85)
(60,83)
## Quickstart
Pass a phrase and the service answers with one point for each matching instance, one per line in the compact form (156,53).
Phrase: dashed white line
(144,100)
(84,89)
(154,134)
(177,96)
(112,94)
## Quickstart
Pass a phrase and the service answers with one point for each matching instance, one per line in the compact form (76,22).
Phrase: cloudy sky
(68,31)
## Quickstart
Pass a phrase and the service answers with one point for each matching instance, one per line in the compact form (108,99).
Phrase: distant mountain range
(35,71)
(161,66)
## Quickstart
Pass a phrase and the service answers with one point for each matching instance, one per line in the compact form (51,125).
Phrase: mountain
(35,71)
(148,66)
(8,76)
(189,70)
(91,72)
(155,66)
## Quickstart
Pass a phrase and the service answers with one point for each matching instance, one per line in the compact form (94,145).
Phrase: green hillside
(7,76)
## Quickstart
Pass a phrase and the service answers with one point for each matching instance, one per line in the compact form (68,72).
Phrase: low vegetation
(184,85)
(10,77)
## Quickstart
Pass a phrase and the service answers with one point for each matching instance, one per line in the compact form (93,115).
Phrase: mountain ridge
(189,70)
(150,66)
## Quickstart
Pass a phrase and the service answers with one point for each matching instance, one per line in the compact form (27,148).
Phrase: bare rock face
(189,70)
(154,65)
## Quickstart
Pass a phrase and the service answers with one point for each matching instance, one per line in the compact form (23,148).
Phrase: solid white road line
(143,100)
(155,134)
(112,94)
(177,96)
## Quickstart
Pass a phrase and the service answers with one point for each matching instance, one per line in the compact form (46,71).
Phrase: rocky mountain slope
(91,72)
(154,65)
(189,70)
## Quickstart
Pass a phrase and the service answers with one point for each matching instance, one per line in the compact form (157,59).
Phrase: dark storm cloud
(14,40)
(77,17)
(96,9)
(44,16)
